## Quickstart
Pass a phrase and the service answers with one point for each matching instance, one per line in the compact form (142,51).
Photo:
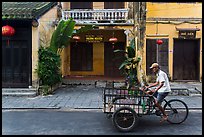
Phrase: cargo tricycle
(125,106)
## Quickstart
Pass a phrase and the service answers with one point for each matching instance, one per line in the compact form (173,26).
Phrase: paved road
(89,122)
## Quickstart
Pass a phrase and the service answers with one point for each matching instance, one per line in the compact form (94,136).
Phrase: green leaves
(48,67)
(125,63)
(64,32)
(118,50)
(130,64)
(84,29)
(49,58)
(131,49)
(54,45)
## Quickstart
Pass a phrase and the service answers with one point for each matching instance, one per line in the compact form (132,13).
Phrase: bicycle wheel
(124,119)
(177,111)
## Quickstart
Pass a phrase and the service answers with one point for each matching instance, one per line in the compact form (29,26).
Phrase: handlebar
(148,91)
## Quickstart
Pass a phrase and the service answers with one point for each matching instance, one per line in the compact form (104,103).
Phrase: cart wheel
(125,119)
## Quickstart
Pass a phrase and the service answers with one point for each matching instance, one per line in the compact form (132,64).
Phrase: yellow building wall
(41,35)
(65,5)
(98,48)
(172,10)
(98,61)
(98,5)
(35,47)
(98,56)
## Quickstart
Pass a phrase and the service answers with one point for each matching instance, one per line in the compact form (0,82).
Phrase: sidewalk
(89,97)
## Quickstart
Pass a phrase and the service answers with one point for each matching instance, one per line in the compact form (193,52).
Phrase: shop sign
(94,38)
(187,34)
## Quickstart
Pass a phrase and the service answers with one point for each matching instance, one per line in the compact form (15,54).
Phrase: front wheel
(124,119)
(176,110)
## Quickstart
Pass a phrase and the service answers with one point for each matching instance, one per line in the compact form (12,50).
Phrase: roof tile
(25,10)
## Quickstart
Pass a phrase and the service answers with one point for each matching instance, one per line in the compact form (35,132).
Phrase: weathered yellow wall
(98,57)
(98,5)
(65,5)
(41,33)
(65,58)
(98,53)
(98,48)
(172,10)
(35,46)
(98,61)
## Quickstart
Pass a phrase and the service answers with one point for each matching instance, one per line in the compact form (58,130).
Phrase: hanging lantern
(113,41)
(76,38)
(159,41)
(8,31)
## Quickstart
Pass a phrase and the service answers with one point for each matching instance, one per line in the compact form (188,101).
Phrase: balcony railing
(97,15)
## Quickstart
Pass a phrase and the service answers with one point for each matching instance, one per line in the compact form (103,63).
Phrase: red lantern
(8,31)
(113,40)
(159,41)
(76,38)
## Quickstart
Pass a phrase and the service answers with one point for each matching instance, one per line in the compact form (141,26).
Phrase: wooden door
(16,58)
(113,60)
(186,57)
(157,53)
(81,56)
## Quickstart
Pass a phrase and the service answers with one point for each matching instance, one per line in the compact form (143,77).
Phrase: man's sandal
(163,119)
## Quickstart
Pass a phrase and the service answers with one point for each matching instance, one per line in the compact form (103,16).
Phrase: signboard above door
(187,33)
(94,38)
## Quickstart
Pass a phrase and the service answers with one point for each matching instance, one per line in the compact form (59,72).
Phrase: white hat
(154,65)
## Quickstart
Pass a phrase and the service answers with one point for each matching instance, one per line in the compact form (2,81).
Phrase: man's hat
(154,65)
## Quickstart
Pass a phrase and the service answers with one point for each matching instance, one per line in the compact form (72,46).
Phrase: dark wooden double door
(186,56)
(112,60)
(16,56)
(157,53)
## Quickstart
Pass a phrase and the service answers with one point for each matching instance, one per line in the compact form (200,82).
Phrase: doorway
(113,60)
(186,56)
(157,53)
(17,56)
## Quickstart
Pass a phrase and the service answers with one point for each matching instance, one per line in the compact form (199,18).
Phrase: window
(81,5)
(114,5)
(81,57)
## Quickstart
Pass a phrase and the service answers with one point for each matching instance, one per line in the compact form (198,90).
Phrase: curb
(7,108)
(191,108)
(19,92)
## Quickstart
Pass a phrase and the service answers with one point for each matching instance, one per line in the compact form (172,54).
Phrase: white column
(127,32)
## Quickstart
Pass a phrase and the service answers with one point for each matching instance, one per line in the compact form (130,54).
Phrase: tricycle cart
(125,106)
